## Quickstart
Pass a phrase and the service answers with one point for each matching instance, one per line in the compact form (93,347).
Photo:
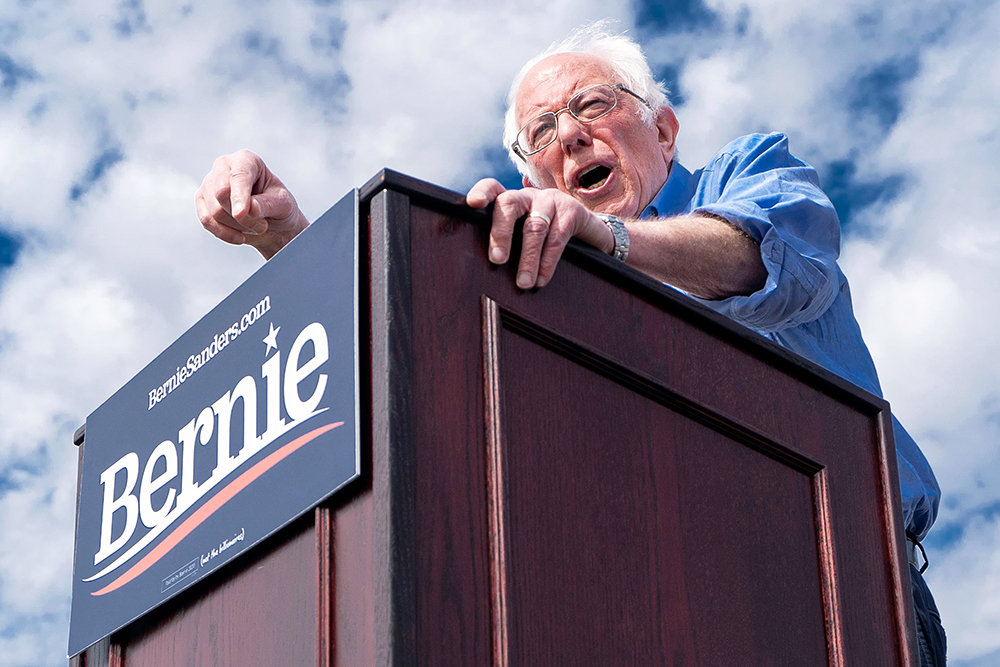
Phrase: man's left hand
(553,218)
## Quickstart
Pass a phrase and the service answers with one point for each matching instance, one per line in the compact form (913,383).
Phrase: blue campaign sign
(247,421)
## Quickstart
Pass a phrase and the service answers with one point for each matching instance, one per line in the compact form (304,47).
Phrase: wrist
(598,234)
(269,243)
(618,235)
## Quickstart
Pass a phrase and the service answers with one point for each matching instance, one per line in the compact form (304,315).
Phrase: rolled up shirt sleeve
(757,186)
(776,199)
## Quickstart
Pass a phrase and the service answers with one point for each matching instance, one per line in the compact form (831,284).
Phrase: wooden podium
(601,472)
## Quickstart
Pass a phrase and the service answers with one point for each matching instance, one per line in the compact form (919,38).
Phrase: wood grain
(601,472)
(325,587)
(495,481)
(700,445)
(392,433)
(260,610)
(828,571)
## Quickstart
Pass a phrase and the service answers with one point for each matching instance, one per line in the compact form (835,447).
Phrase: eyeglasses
(586,106)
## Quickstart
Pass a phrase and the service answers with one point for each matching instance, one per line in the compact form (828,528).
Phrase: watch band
(619,231)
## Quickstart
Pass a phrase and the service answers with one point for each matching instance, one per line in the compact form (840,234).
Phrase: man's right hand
(241,201)
(551,219)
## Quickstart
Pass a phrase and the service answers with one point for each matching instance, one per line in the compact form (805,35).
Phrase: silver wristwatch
(617,227)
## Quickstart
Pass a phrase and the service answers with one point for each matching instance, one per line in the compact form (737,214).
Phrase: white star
(271,339)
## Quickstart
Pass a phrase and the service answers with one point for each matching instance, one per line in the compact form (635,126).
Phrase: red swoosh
(215,502)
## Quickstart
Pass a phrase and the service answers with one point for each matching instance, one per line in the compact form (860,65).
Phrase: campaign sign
(246,422)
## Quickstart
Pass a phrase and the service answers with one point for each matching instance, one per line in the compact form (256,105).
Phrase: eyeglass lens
(586,106)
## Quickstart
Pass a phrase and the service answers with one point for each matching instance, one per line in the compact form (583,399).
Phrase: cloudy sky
(111,113)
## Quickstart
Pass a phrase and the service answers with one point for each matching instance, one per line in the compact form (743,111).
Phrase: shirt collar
(674,196)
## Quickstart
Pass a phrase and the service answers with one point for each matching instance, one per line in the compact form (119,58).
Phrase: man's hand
(241,201)
(553,218)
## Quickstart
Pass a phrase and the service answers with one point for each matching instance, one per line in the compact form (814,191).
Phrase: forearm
(701,255)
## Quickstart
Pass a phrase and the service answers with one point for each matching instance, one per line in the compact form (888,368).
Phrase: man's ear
(667,127)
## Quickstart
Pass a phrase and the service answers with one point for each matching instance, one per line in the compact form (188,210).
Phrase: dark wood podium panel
(661,486)
(601,472)
(261,613)
(704,549)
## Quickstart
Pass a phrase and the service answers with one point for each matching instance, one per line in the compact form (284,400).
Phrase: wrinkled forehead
(551,82)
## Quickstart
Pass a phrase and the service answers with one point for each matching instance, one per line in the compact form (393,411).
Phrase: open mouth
(594,177)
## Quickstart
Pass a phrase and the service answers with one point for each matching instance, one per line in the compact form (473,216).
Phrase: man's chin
(618,206)
(612,200)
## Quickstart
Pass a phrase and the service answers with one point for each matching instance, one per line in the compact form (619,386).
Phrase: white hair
(622,55)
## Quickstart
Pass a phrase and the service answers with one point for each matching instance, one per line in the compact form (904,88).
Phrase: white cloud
(939,243)
(329,94)
(967,580)
(923,263)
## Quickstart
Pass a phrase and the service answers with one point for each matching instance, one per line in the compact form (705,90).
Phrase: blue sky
(112,112)
(9,247)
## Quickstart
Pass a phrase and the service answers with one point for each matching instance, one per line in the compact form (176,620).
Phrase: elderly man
(751,234)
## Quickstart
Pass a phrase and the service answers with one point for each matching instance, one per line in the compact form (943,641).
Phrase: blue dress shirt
(805,305)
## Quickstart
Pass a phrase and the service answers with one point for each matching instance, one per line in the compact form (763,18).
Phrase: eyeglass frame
(521,153)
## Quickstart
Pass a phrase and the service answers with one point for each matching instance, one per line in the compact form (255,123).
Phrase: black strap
(923,554)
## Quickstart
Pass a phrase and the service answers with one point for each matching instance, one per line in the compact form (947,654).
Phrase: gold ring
(541,216)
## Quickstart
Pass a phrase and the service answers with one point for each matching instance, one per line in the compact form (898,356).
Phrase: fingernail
(258,228)
(524,280)
(497,255)
(541,282)
(237,207)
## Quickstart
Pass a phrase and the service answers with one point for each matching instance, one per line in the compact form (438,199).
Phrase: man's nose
(572,132)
